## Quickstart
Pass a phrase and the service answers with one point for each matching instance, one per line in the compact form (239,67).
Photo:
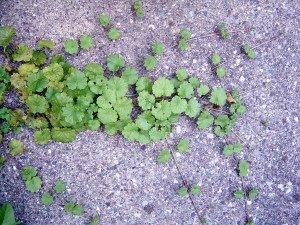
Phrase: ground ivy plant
(60,101)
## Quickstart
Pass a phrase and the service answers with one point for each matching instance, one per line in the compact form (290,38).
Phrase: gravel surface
(121,180)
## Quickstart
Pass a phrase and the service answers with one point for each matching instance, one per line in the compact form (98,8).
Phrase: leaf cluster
(183,42)
(32,181)
(138,8)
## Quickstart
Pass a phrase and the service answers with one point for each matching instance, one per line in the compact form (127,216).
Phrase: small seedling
(47,199)
(71,46)
(150,62)
(94,220)
(59,186)
(215,59)
(104,20)
(195,189)
(252,194)
(221,72)
(16,147)
(239,194)
(137,6)
(185,36)
(164,156)
(74,209)
(183,146)
(182,191)
(222,30)
(86,42)
(249,52)
(114,34)
(243,168)
(158,48)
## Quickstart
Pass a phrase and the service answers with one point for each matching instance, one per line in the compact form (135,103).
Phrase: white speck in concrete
(138,215)
(242,79)
(151,26)
(296,119)
(210,136)
(194,61)
(281,187)
(178,130)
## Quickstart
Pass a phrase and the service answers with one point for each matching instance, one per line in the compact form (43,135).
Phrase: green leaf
(77,210)
(42,136)
(193,108)
(34,184)
(107,115)
(183,45)
(249,52)
(164,156)
(130,75)
(77,80)
(71,46)
(69,206)
(162,87)
(115,62)
(118,86)
(144,84)
(7,216)
(162,111)
(37,82)
(72,114)
(23,53)
(232,148)
(150,62)
(158,48)
(63,135)
(205,120)
(202,90)
(59,186)
(47,199)
(37,104)
(252,194)
(146,100)
(86,42)
(93,125)
(95,219)
(183,146)
(6,34)
(221,72)
(28,173)
(137,5)
(130,131)
(186,34)
(46,44)
(104,20)
(178,105)
(181,74)
(215,59)
(218,96)
(4,77)
(16,147)
(238,194)
(54,72)
(114,34)
(221,27)
(194,82)
(139,13)
(39,57)
(243,168)
(195,189)
(182,191)
(185,90)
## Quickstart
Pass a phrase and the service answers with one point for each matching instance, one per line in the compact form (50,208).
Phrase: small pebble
(242,79)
